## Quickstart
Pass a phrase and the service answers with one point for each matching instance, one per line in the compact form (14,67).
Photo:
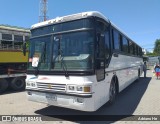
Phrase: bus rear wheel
(112,92)
(138,75)
(3,85)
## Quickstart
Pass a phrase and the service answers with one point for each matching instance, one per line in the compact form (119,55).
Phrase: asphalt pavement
(147,109)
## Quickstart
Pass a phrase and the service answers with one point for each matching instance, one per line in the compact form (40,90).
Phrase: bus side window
(131,47)
(136,50)
(107,46)
(101,34)
(120,42)
(100,46)
(125,45)
(104,30)
(116,40)
(140,51)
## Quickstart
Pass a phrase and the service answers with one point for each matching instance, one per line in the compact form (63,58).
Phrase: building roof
(14,28)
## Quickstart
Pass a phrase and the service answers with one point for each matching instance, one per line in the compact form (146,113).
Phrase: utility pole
(43,8)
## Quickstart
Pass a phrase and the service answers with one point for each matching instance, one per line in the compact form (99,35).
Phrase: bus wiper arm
(42,58)
(64,67)
(60,59)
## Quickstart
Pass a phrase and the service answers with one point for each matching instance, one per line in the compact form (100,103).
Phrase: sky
(139,19)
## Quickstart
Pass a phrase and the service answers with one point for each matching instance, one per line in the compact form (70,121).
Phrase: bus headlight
(72,88)
(76,88)
(79,88)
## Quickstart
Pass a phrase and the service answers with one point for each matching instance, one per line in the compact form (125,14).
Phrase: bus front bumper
(72,101)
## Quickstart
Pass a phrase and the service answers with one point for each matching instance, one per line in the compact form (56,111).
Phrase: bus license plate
(51,97)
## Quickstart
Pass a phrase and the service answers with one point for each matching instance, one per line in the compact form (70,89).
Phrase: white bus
(80,61)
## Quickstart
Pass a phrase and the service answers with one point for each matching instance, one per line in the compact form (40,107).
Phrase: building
(12,37)
(153,60)
(144,51)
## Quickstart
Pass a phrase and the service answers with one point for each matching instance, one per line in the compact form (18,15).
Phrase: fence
(152,61)
(10,47)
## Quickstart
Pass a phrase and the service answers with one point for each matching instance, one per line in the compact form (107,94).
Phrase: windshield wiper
(64,66)
(42,58)
(60,58)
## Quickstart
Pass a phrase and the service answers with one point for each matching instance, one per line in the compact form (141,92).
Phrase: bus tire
(112,92)
(3,85)
(138,75)
(18,83)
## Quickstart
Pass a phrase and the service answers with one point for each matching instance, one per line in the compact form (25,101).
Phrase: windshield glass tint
(40,52)
(66,26)
(75,50)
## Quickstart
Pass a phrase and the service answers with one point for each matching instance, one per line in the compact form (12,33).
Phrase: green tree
(157,47)
(151,54)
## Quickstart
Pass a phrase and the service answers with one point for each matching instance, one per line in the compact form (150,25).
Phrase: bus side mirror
(24,48)
(100,37)
(100,63)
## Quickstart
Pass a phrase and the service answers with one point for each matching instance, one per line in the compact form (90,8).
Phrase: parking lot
(140,98)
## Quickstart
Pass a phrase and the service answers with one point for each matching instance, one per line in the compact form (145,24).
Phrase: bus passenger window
(134,52)
(120,42)
(131,47)
(107,45)
(125,45)
(116,42)
(104,41)
(140,51)
(100,46)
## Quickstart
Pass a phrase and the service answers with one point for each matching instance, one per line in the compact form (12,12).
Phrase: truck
(12,70)
(13,63)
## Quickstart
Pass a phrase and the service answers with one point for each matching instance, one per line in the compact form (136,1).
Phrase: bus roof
(77,16)
(70,17)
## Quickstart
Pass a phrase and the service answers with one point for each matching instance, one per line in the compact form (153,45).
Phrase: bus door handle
(115,55)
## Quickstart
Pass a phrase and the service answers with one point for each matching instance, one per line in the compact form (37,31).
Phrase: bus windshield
(40,52)
(72,49)
(76,50)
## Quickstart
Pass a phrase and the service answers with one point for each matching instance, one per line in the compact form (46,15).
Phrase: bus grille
(51,86)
